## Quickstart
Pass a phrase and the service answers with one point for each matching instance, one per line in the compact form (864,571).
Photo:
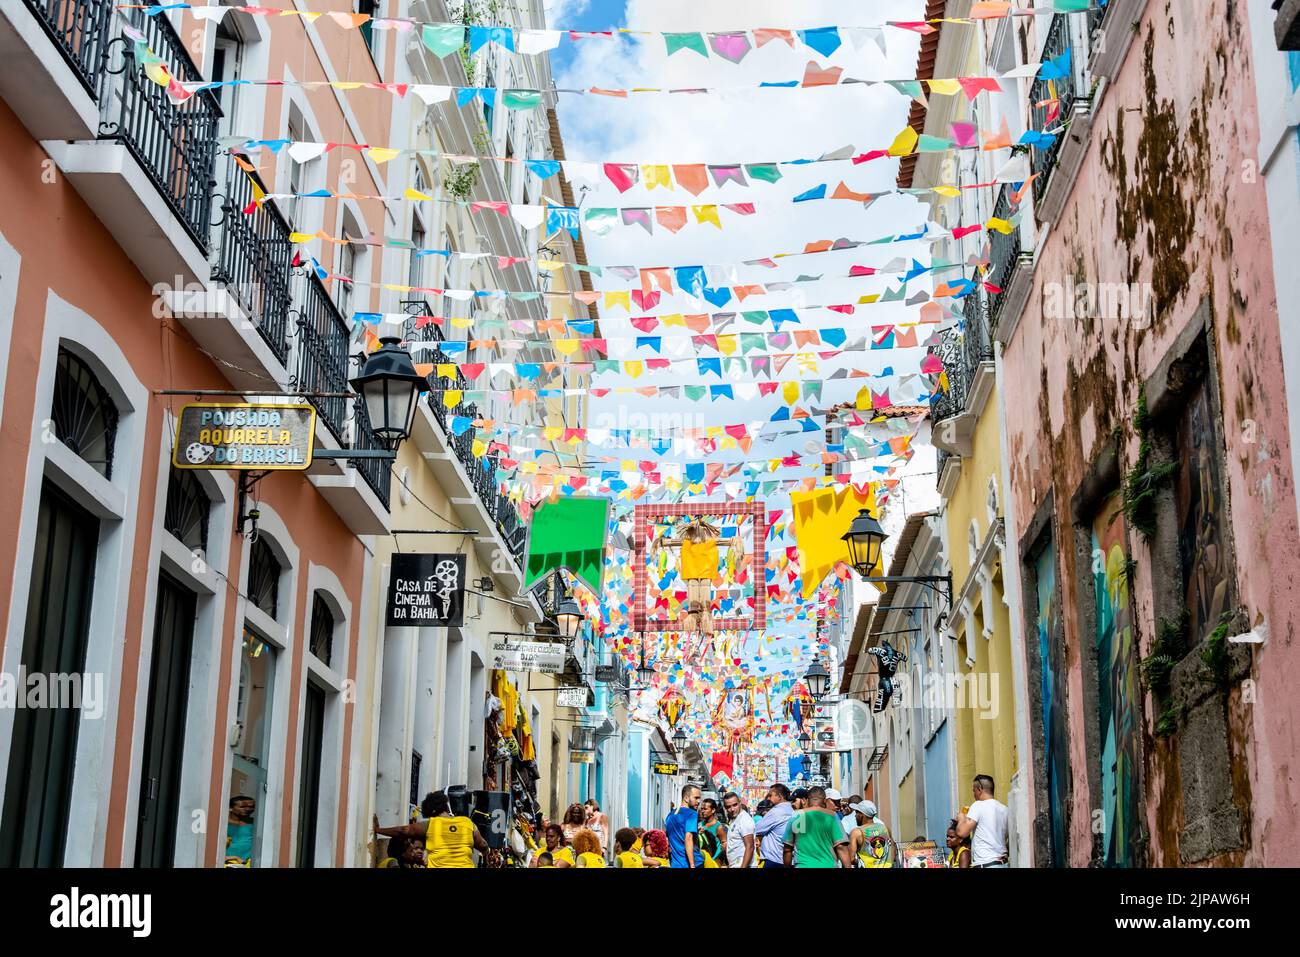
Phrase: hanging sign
(666,767)
(572,697)
(426,591)
(544,656)
(244,436)
(582,757)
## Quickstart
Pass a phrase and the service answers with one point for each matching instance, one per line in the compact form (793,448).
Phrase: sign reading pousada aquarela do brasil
(244,436)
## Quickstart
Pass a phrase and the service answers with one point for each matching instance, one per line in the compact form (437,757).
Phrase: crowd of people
(811,827)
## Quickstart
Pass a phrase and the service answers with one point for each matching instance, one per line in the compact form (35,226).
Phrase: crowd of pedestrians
(811,827)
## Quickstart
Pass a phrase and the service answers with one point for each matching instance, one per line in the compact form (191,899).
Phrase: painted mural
(1202,541)
(1056,732)
(1119,707)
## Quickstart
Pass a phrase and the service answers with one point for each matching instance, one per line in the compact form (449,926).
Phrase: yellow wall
(985,738)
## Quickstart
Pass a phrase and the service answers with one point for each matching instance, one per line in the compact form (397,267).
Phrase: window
(415,269)
(322,629)
(248,770)
(371,9)
(188,509)
(352,265)
(264,572)
(84,416)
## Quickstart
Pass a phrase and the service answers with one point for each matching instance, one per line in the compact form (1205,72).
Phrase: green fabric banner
(568,533)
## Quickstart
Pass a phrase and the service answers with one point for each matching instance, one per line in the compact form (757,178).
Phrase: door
(313,729)
(164,735)
(43,750)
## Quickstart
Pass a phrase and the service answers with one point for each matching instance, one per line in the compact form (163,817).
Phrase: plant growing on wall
(1215,652)
(1144,481)
(1157,667)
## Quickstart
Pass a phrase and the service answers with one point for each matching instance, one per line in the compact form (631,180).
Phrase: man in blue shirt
(682,826)
(770,830)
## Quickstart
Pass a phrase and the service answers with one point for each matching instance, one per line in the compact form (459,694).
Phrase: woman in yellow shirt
(626,853)
(449,841)
(561,856)
(655,852)
(587,848)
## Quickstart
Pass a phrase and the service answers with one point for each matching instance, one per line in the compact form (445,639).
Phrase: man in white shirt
(740,833)
(985,823)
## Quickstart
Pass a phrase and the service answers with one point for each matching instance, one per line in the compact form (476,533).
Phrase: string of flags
(446,38)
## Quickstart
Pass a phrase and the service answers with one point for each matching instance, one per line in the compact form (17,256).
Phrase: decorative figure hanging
(887,661)
(698,565)
(799,705)
(735,716)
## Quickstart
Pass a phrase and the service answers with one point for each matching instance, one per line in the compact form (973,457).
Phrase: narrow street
(520,435)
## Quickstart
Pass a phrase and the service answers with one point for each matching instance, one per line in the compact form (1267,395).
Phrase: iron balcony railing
(323,355)
(253,259)
(481,472)
(962,348)
(378,473)
(1004,252)
(175,143)
(1048,111)
(81,31)
(413,331)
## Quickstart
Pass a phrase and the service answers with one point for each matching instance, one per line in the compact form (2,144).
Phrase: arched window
(322,629)
(188,508)
(84,416)
(264,572)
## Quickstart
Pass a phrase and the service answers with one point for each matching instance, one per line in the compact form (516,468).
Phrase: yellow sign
(663,767)
(582,757)
(267,438)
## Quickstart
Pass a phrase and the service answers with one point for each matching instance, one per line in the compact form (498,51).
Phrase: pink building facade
(1149,447)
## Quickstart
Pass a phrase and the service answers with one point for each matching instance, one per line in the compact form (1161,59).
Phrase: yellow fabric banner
(820,519)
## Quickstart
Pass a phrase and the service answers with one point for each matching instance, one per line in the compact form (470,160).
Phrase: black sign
(666,767)
(427,590)
(607,674)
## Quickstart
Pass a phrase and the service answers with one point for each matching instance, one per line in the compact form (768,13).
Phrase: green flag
(443,39)
(568,533)
(521,99)
(766,172)
(685,41)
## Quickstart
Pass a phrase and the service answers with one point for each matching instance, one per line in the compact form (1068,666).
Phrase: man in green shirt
(817,834)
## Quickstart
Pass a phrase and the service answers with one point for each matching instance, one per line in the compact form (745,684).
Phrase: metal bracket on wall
(247,482)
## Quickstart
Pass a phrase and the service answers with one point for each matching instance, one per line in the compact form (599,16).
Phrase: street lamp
(865,539)
(680,740)
(390,387)
(569,617)
(818,680)
(805,742)
(645,673)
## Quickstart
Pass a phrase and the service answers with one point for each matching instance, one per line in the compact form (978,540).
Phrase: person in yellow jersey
(561,855)
(449,840)
(625,852)
(586,845)
(655,852)
(404,852)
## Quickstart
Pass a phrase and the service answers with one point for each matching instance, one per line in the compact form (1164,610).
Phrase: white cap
(834,795)
(866,808)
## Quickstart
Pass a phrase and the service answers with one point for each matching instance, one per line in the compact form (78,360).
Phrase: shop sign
(572,697)
(923,854)
(607,674)
(665,767)
(544,656)
(426,590)
(582,757)
(244,436)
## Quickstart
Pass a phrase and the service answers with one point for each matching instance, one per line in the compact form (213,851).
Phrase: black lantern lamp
(569,617)
(390,388)
(818,680)
(680,740)
(866,539)
(805,742)
(645,672)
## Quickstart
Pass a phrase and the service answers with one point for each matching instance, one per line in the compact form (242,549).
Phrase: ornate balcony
(253,259)
(175,144)
(1004,255)
(323,355)
(1052,101)
(81,31)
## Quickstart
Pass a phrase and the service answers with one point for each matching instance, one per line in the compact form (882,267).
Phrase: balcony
(323,342)
(54,55)
(967,355)
(1066,103)
(1011,271)
(147,166)
(378,473)
(253,257)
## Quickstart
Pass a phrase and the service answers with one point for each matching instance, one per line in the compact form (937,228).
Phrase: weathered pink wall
(1170,153)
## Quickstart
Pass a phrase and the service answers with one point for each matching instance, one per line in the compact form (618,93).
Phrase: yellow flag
(653,176)
(820,520)
(382,154)
(451,398)
(790,392)
(707,214)
(904,143)
(945,87)
(1001,225)
(620,297)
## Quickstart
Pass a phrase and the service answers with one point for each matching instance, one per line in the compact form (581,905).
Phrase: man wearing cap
(833,799)
(869,841)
